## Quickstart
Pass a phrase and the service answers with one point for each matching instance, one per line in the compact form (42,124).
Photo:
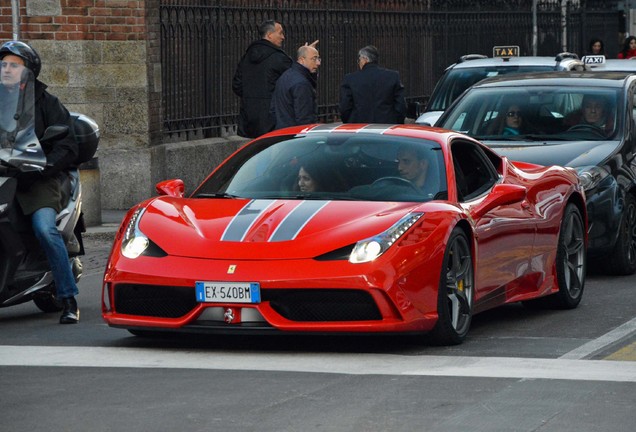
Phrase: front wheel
(571,263)
(622,261)
(46,301)
(456,291)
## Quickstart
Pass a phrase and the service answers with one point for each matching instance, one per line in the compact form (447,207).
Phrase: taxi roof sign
(505,51)
(593,60)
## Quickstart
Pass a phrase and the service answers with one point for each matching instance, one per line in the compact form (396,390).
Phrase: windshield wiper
(527,137)
(217,195)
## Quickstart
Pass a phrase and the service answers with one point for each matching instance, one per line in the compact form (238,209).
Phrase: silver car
(473,68)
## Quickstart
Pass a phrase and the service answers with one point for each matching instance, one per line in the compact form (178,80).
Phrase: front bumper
(297,296)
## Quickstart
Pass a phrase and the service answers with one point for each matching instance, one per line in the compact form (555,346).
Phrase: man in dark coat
(40,194)
(294,99)
(373,94)
(256,76)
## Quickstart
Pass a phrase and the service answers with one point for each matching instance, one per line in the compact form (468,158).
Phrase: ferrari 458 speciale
(349,229)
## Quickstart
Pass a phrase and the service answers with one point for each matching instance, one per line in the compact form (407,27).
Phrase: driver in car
(413,166)
(594,112)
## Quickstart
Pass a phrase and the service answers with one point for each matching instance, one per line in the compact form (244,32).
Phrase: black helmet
(25,52)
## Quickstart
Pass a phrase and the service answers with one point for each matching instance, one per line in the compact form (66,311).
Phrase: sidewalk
(111,219)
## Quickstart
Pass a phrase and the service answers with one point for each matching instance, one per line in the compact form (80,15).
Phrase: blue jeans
(43,222)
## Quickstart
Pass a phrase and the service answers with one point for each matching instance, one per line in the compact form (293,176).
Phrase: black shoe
(71,313)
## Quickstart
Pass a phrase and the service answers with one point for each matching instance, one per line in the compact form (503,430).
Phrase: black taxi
(583,120)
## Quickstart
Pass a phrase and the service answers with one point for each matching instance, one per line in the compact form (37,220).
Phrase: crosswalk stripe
(354,364)
(599,344)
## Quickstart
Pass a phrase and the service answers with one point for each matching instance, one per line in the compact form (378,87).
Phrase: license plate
(228,292)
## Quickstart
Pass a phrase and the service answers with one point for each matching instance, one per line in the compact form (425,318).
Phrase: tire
(622,260)
(456,292)
(46,301)
(570,263)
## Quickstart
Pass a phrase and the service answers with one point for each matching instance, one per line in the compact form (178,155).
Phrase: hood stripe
(243,221)
(294,222)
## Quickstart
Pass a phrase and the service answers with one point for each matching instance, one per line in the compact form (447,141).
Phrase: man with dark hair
(294,99)
(373,94)
(255,78)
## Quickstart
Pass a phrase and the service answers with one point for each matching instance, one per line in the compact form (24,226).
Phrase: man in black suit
(373,94)
(255,78)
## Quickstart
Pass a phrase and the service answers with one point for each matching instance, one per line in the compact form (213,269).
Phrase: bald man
(294,98)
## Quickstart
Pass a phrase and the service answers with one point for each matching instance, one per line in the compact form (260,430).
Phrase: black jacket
(294,99)
(372,95)
(254,82)
(49,111)
(45,190)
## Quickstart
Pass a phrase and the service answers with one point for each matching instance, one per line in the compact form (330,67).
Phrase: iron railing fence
(203,40)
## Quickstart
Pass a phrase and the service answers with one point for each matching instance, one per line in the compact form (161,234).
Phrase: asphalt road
(519,370)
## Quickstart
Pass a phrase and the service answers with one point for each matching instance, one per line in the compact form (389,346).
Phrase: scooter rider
(40,193)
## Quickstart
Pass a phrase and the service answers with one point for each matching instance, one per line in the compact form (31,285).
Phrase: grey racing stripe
(242,222)
(326,127)
(375,128)
(289,227)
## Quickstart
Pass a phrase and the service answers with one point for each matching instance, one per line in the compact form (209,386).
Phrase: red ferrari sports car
(349,228)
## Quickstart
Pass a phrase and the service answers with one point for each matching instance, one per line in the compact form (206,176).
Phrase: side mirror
(413,110)
(174,188)
(501,194)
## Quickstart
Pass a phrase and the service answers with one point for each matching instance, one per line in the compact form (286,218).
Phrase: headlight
(591,176)
(134,242)
(371,248)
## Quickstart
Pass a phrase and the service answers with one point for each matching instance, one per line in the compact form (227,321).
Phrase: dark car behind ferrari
(550,104)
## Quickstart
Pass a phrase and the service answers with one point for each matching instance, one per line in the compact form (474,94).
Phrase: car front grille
(322,304)
(154,300)
(293,304)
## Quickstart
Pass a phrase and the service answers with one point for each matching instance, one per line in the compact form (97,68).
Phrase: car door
(505,235)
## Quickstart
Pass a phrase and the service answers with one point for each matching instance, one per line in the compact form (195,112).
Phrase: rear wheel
(456,291)
(622,261)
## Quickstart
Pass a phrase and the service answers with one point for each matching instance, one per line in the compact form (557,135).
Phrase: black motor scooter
(24,270)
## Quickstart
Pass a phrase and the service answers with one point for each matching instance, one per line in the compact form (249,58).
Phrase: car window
(537,113)
(474,172)
(333,166)
(456,80)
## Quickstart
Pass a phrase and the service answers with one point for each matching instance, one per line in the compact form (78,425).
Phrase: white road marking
(354,364)
(599,344)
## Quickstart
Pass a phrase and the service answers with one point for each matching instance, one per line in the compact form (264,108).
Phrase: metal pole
(564,25)
(535,41)
(15,18)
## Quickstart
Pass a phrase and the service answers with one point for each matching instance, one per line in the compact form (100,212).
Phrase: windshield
(455,81)
(332,166)
(18,142)
(563,113)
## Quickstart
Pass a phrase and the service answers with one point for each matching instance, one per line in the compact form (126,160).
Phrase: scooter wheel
(46,301)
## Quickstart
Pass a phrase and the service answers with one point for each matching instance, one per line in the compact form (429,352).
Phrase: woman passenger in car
(509,123)
(513,121)
(318,175)
(307,182)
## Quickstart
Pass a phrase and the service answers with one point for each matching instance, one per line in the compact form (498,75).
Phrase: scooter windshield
(19,145)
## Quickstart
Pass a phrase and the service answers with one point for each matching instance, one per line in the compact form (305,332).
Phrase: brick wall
(114,20)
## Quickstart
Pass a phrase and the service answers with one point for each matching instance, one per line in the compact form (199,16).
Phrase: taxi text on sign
(594,59)
(505,51)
